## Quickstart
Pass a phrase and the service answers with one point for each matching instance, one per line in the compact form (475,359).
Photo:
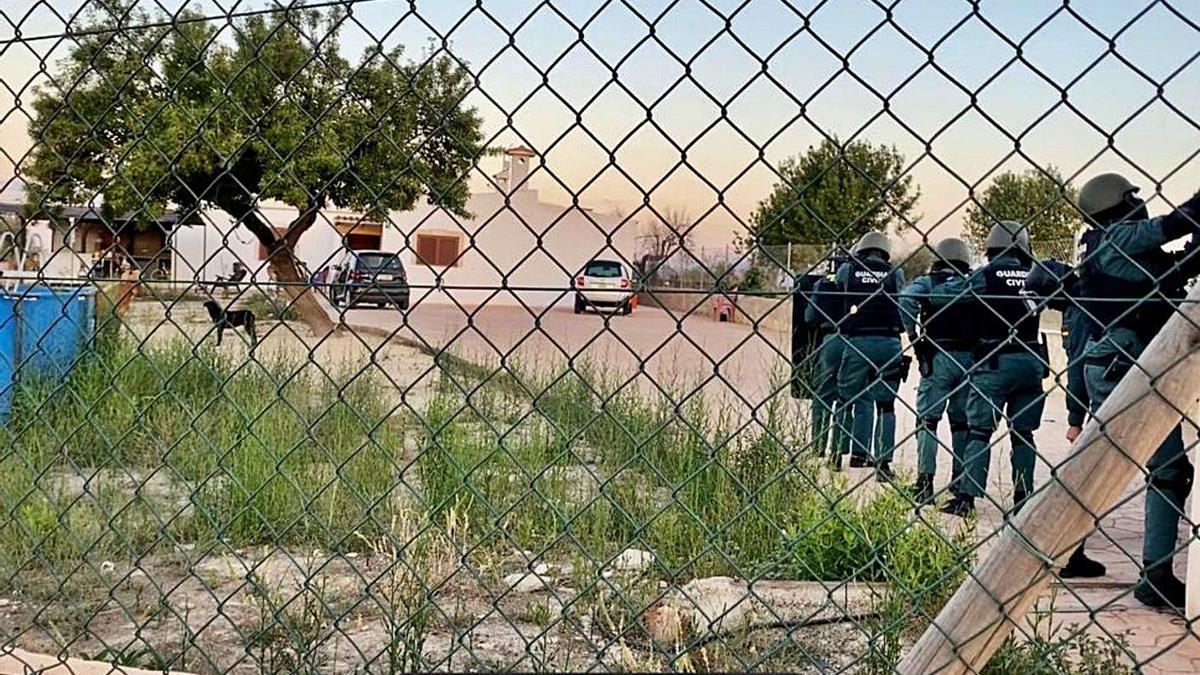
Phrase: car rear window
(381,262)
(603,268)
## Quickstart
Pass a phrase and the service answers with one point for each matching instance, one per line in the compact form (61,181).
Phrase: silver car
(604,284)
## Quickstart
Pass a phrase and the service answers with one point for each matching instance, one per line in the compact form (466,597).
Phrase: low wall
(768,313)
(775,313)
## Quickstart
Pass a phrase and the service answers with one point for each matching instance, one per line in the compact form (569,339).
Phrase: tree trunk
(285,270)
(282,264)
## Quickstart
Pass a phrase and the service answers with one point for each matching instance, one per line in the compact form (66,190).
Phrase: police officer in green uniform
(825,313)
(1010,364)
(1131,287)
(1056,285)
(872,363)
(943,341)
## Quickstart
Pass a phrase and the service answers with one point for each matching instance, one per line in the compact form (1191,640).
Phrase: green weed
(1044,647)
(268,450)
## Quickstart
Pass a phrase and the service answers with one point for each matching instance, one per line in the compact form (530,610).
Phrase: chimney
(516,168)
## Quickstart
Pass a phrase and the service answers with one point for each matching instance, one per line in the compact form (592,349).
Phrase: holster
(989,351)
(1117,368)
(924,351)
(896,370)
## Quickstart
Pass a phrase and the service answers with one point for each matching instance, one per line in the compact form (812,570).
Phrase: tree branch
(301,224)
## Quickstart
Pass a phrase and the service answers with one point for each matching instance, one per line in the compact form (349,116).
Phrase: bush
(270,307)
(261,451)
(610,468)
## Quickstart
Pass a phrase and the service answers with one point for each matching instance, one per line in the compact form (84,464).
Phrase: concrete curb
(20,662)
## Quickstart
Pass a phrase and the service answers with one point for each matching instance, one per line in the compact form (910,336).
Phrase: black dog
(231,318)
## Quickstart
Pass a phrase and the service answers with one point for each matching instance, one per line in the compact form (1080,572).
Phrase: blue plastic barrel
(42,331)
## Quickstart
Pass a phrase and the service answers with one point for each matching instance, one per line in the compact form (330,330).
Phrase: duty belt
(951,345)
(872,332)
(993,350)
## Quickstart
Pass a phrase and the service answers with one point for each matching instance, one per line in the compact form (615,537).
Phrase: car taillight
(579,282)
(358,275)
(624,283)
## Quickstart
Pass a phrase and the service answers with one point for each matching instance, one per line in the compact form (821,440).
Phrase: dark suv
(370,277)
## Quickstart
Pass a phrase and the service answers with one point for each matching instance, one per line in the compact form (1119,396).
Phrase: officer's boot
(1167,491)
(884,473)
(858,461)
(1079,566)
(960,505)
(1160,588)
(923,489)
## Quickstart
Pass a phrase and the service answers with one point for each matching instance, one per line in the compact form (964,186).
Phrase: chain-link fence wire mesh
(359,336)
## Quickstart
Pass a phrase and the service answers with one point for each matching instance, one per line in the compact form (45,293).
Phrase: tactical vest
(948,327)
(1006,312)
(1136,304)
(870,299)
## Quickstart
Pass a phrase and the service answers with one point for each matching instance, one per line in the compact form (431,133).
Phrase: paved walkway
(741,369)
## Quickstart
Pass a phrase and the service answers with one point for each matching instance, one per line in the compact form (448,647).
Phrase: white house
(514,249)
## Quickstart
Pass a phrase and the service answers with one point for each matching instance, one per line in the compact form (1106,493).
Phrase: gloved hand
(1185,219)
(1192,209)
(1193,204)
(1187,261)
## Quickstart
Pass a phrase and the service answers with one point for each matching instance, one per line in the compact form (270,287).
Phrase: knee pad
(979,434)
(888,407)
(957,426)
(931,423)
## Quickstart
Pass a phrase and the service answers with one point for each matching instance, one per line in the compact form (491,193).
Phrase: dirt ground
(220,609)
(270,609)
(214,608)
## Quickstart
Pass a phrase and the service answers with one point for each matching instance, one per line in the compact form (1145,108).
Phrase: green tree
(1041,200)
(915,262)
(833,193)
(150,113)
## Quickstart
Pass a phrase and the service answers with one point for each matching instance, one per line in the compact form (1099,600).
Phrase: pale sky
(701,75)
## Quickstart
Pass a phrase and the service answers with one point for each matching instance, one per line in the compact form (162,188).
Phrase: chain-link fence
(372,336)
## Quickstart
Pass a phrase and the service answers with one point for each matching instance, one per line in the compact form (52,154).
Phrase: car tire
(627,309)
(381,305)
(579,305)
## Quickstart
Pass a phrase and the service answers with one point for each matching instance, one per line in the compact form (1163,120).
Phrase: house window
(437,250)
